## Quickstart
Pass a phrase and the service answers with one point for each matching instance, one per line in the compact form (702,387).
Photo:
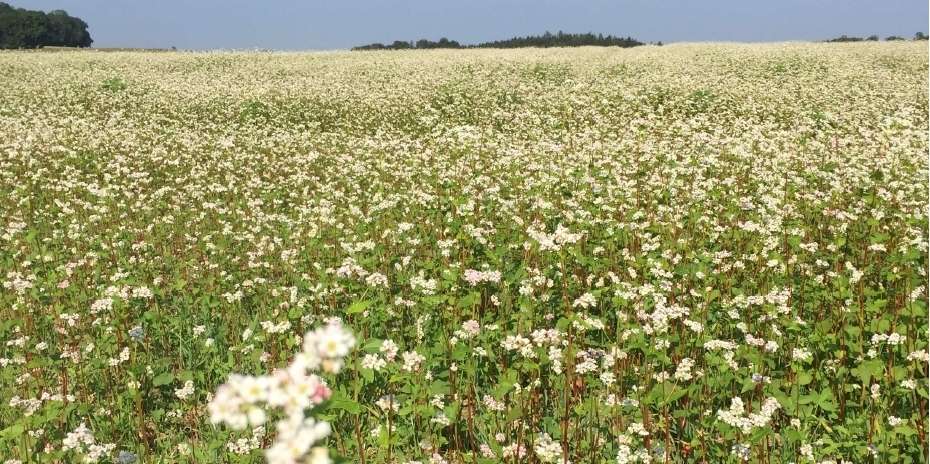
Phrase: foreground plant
(249,400)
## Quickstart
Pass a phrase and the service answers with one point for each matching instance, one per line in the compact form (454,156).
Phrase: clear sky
(316,24)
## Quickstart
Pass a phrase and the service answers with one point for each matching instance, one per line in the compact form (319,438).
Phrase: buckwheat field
(681,254)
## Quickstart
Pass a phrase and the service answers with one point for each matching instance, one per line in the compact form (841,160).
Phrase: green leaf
(368,375)
(343,403)
(13,431)
(359,306)
(372,345)
(808,399)
(514,413)
(675,395)
(469,300)
(873,368)
(439,387)
(804,378)
(163,379)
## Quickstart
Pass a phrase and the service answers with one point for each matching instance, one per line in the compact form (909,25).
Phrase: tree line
(874,38)
(21,28)
(404,45)
(560,39)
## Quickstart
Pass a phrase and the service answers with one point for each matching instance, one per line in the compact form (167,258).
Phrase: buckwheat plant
(245,400)
(689,253)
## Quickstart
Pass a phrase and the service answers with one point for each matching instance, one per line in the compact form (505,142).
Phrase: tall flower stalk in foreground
(245,400)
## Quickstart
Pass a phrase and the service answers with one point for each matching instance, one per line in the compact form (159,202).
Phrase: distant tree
(872,38)
(562,39)
(920,36)
(20,28)
(548,39)
(893,38)
(65,30)
(373,46)
(446,43)
(422,44)
(846,38)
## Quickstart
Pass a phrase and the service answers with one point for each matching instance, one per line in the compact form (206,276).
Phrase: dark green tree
(563,39)
(20,28)
(548,39)
(846,38)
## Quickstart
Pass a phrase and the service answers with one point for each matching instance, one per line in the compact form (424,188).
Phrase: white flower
(586,300)
(683,371)
(639,429)
(389,349)
(807,451)
(801,354)
(412,361)
(474,277)
(548,450)
(331,342)
(186,391)
(736,415)
(373,361)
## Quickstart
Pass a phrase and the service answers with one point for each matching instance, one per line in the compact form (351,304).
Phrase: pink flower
(321,394)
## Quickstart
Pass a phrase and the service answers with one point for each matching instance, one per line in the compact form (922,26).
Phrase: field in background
(689,253)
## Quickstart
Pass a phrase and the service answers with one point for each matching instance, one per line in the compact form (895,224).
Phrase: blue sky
(311,24)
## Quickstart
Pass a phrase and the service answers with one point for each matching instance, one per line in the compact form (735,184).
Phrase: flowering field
(690,253)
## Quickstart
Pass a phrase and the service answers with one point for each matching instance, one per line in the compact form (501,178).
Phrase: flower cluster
(243,400)
(736,415)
